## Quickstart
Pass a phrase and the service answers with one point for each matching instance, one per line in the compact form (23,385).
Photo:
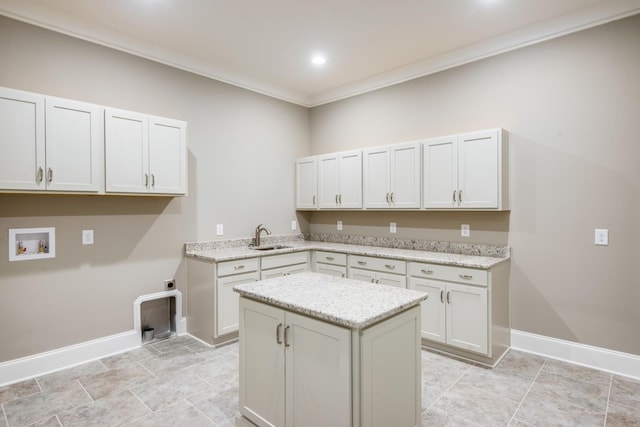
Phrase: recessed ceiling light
(318,60)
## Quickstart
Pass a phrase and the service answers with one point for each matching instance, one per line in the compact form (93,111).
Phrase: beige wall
(572,106)
(241,151)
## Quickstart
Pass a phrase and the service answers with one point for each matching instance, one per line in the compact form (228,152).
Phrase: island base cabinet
(299,371)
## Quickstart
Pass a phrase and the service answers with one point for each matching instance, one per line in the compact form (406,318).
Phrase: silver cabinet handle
(460,196)
(286,336)
(314,200)
(342,275)
(448,297)
(392,201)
(442,296)
(153,180)
(39,174)
(465,276)
(278,328)
(362,262)
(336,199)
(50,175)
(329,258)
(146,179)
(238,267)
(340,198)
(454,196)
(377,280)
(387,198)
(427,271)
(373,280)
(390,266)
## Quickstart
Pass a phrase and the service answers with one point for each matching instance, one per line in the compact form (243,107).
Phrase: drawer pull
(362,262)
(466,276)
(278,328)
(427,271)
(448,297)
(441,296)
(390,266)
(238,267)
(329,258)
(286,336)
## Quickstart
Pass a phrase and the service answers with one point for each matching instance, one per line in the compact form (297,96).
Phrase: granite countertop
(345,302)
(234,253)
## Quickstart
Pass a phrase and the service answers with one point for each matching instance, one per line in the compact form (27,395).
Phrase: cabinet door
(318,373)
(350,194)
(283,271)
(377,188)
(306,183)
(261,364)
(227,302)
(467,320)
(74,132)
(405,176)
(391,280)
(167,156)
(440,173)
(331,270)
(22,142)
(478,169)
(126,152)
(432,309)
(363,275)
(328,181)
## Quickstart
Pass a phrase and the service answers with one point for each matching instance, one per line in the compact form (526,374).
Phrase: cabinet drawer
(237,266)
(378,264)
(275,261)
(331,258)
(449,273)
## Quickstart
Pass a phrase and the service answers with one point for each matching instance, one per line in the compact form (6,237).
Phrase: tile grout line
(199,411)
(4,415)
(513,417)
(85,390)
(58,420)
(448,388)
(606,411)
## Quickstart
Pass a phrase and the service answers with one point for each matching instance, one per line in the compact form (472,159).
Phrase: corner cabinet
(392,176)
(468,171)
(145,154)
(307,183)
(49,144)
(340,180)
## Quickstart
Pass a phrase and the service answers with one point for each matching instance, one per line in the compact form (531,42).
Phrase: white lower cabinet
(294,370)
(331,263)
(384,271)
(299,371)
(284,265)
(455,314)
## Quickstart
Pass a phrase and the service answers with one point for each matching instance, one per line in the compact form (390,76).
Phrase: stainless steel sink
(269,247)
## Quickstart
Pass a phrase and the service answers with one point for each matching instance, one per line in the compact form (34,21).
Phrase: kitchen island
(317,350)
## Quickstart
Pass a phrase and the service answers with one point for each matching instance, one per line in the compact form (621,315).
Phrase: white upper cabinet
(340,180)
(307,183)
(49,143)
(392,176)
(74,135)
(144,154)
(22,145)
(468,171)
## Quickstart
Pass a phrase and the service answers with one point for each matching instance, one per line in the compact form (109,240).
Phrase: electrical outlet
(294,225)
(602,237)
(87,237)
(170,284)
(219,229)
(339,225)
(465,231)
(392,227)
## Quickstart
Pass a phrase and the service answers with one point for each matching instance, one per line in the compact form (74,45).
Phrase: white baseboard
(40,364)
(615,362)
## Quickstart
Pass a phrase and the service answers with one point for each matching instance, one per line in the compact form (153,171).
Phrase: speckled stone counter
(345,302)
(207,251)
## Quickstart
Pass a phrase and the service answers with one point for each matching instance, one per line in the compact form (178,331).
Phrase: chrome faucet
(259,230)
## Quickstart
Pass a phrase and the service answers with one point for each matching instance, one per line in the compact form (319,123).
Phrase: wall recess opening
(158,316)
(32,243)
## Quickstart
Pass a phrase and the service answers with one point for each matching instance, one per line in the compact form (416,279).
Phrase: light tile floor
(182,382)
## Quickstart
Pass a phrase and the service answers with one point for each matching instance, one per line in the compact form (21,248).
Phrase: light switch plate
(392,227)
(339,225)
(87,237)
(465,230)
(219,229)
(294,225)
(602,237)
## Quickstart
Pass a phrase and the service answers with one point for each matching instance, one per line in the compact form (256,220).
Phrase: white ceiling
(266,45)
